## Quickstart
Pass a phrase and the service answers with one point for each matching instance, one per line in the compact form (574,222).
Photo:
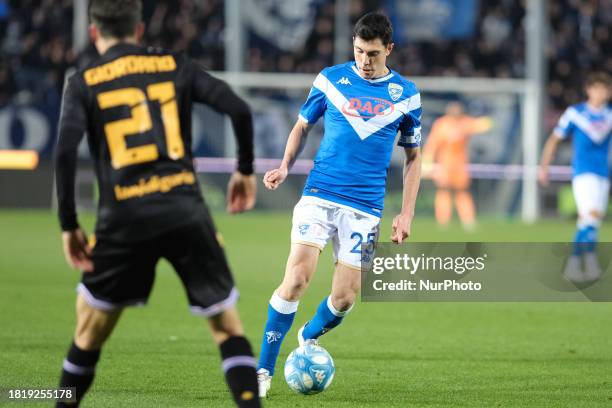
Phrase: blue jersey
(590,131)
(361,120)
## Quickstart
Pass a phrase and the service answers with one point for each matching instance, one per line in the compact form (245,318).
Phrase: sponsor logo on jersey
(273,336)
(367,107)
(344,81)
(395,91)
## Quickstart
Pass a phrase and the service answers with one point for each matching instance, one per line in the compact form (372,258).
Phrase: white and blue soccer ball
(309,369)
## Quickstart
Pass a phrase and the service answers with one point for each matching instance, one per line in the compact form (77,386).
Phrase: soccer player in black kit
(135,106)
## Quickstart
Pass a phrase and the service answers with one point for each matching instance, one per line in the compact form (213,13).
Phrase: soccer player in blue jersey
(590,126)
(364,104)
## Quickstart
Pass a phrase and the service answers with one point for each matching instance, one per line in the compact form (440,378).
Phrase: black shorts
(124,272)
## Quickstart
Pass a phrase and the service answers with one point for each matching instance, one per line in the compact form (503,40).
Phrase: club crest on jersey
(273,336)
(304,228)
(367,107)
(395,91)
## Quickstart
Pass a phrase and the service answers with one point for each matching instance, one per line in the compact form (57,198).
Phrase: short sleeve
(565,127)
(410,127)
(315,104)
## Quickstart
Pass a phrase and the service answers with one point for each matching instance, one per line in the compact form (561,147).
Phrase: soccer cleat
(592,270)
(264,382)
(302,340)
(300,335)
(572,271)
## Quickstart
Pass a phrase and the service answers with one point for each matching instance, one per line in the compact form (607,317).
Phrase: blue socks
(325,319)
(585,239)
(280,318)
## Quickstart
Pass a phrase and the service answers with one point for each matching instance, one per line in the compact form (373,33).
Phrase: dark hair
(373,26)
(115,18)
(597,78)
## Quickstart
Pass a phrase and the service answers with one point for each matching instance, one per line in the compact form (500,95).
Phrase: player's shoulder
(409,86)
(577,107)
(336,71)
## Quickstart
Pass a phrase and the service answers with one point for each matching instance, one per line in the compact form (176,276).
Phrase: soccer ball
(309,369)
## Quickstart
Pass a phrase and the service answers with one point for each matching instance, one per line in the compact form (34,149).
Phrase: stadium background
(521,62)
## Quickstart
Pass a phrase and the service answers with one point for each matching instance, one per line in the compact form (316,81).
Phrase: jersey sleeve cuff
(69,223)
(303,118)
(559,133)
(246,168)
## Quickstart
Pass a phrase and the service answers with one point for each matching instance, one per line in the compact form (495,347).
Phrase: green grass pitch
(386,354)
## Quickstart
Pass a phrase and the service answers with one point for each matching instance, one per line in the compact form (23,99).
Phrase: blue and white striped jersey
(361,120)
(591,132)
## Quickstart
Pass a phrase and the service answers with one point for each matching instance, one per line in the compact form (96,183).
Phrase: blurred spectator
(36,39)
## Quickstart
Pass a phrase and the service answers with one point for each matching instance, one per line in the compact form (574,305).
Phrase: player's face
(371,57)
(598,94)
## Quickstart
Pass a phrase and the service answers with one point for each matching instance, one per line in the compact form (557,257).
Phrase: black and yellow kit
(134,104)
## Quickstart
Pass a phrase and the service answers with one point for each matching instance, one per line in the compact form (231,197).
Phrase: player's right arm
(72,126)
(561,132)
(311,111)
(548,154)
(295,143)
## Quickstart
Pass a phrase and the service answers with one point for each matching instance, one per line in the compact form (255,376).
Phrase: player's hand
(401,228)
(543,176)
(273,178)
(77,250)
(241,191)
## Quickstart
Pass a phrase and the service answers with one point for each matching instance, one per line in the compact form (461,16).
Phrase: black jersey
(135,105)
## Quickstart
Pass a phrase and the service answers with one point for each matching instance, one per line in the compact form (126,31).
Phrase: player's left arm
(242,187)
(412,178)
(481,124)
(72,126)
(410,140)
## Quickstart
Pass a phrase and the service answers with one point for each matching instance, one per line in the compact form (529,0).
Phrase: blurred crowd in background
(36,40)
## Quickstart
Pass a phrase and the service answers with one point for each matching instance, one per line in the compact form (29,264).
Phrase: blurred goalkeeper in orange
(445,159)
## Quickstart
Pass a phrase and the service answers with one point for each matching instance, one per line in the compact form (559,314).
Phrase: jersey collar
(375,80)
(121,48)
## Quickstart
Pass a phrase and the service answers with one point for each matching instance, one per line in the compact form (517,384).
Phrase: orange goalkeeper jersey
(447,147)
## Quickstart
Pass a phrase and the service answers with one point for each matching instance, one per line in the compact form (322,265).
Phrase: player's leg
(463,197)
(284,302)
(309,234)
(93,329)
(465,208)
(443,202)
(333,308)
(591,215)
(198,258)
(443,205)
(237,357)
(123,275)
(355,230)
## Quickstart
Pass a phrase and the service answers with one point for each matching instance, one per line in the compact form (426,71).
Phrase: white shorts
(316,221)
(591,193)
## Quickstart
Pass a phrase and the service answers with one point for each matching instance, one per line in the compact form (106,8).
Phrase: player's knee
(343,301)
(590,218)
(595,214)
(293,288)
(297,279)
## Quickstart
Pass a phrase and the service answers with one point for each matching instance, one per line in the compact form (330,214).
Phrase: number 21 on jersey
(140,122)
